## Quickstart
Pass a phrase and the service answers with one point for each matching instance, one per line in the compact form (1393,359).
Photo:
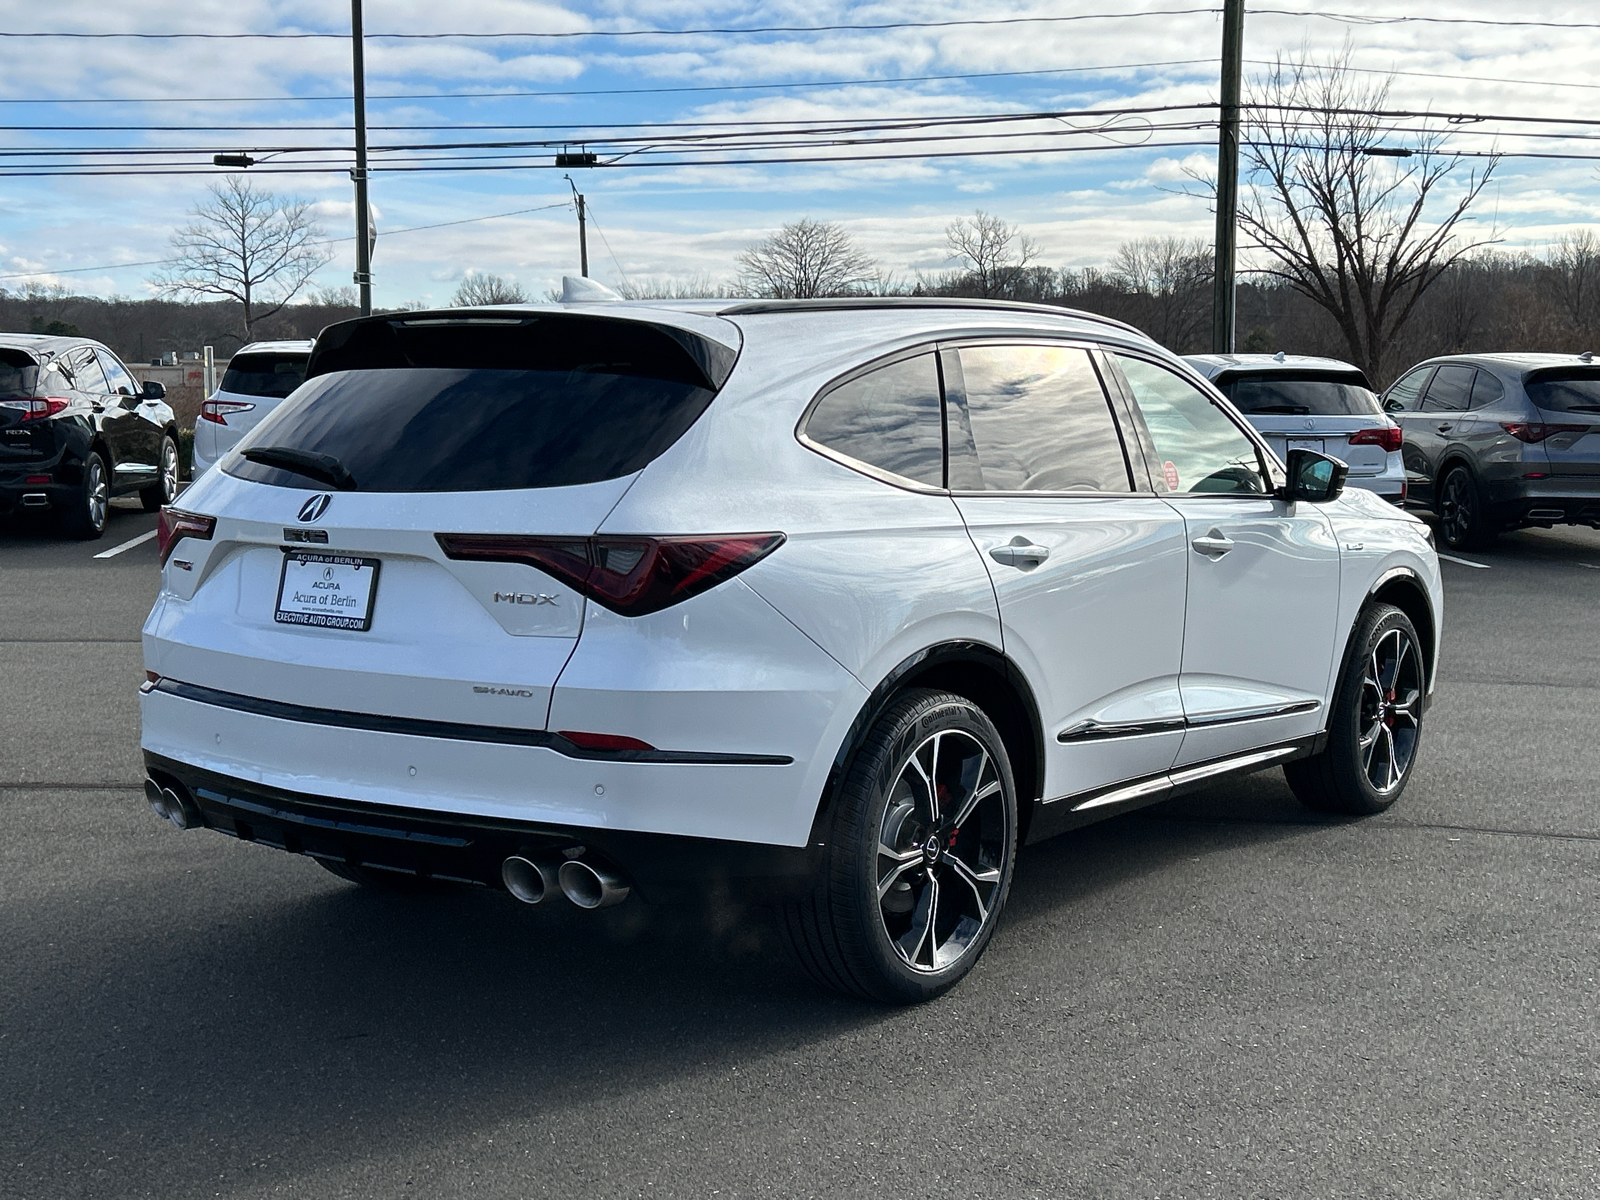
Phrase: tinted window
(888,418)
(1406,395)
(86,373)
(1041,421)
(1486,390)
(1449,389)
(19,375)
(1566,390)
(1296,394)
(519,403)
(117,375)
(264,374)
(1198,447)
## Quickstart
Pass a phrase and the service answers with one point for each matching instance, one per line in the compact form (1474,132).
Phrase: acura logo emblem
(314,507)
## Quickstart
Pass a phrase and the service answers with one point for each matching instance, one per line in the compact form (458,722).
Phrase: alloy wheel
(97,492)
(169,471)
(1391,699)
(1455,508)
(941,850)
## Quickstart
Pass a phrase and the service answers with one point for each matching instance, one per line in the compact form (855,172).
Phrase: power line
(1366,19)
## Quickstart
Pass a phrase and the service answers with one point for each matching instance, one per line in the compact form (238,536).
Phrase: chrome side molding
(1091,730)
(1157,787)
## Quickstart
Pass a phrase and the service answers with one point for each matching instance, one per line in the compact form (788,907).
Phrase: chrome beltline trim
(1253,714)
(1092,730)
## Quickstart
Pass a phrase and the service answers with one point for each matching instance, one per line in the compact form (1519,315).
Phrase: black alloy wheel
(921,846)
(165,489)
(1376,723)
(87,513)
(1462,523)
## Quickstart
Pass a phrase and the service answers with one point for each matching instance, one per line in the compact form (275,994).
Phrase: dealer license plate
(1304,444)
(331,590)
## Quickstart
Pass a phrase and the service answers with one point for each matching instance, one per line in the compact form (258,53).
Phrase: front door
(1088,571)
(1263,576)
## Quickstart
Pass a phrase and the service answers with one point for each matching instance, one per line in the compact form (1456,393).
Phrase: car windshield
(1295,393)
(451,406)
(261,374)
(1570,389)
(19,375)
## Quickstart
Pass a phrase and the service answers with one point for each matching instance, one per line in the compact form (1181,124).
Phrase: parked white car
(1322,404)
(259,377)
(838,601)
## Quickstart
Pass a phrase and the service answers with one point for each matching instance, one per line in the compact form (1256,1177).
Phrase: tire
(165,489)
(395,882)
(906,864)
(86,515)
(1375,728)
(1463,523)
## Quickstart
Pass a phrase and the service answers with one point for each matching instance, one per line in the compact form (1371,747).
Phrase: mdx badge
(313,508)
(523,598)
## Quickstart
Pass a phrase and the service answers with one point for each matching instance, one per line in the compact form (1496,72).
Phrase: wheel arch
(983,675)
(1403,588)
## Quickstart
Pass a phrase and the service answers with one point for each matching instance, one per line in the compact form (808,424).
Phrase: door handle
(1446,428)
(1213,544)
(1020,553)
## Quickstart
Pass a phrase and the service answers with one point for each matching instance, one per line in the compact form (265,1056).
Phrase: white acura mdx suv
(835,602)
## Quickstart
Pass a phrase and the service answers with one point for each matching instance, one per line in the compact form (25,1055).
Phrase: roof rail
(845,303)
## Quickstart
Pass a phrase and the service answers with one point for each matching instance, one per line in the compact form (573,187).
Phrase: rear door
(144,431)
(1263,575)
(1443,419)
(1088,564)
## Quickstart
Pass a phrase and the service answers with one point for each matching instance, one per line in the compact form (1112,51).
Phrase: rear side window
(270,375)
(1449,390)
(19,375)
(890,419)
(87,375)
(1041,421)
(1284,393)
(1486,390)
(451,405)
(1198,447)
(1406,395)
(1565,390)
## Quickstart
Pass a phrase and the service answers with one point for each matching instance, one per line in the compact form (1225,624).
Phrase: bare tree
(483,287)
(805,259)
(1361,236)
(1170,282)
(992,252)
(1574,267)
(248,246)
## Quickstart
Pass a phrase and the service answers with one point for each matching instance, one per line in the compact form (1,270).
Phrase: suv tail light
(174,524)
(632,576)
(217,410)
(37,409)
(1533,432)
(1390,437)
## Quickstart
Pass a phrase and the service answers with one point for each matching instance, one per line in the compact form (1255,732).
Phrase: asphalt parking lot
(1221,997)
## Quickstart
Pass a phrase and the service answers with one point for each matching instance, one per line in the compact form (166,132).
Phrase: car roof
(1213,365)
(1512,363)
(48,344)
(297,346)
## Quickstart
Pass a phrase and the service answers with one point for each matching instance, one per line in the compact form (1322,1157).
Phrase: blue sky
(654,221)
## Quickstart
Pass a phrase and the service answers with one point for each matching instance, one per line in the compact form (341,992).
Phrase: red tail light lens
(174,524)
(604,741)
(1534,432)
(632,576)
(1390,437)
(217,410)
(37,409)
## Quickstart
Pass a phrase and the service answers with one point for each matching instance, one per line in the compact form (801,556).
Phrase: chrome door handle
(1213,544)
(1020,553)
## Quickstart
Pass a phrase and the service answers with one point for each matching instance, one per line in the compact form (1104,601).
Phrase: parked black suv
(1501,441)
(76,429)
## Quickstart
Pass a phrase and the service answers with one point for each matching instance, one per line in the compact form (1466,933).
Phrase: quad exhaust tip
(532,878)
(172,804)
(529,879)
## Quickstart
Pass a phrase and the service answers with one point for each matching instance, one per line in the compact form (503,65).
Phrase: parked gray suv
(1501,441)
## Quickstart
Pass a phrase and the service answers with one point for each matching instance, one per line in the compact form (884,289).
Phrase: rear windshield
(448,406)
(1293,393)
(273,375)
(19,375)
(1570,389)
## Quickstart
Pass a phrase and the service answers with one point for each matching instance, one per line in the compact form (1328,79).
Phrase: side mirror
(127,399)
(1314,478)
(154,390)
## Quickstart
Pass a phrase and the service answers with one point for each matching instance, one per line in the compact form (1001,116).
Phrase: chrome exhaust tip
(592,885)
(529,879)
(172,805)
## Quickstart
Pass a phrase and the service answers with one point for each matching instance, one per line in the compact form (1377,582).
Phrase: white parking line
(145,537)
(1591,566)
(1465,562)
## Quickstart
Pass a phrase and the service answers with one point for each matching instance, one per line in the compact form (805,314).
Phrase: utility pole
(583,230)
(1227,178)
(363,276)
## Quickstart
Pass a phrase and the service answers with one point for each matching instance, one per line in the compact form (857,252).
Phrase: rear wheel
(1463,524)
(165,489)
(88,511)
(1376,724)
(921,844)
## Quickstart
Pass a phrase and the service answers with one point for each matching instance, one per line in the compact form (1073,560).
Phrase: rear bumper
(1558,500)
(429,842)
(16,495)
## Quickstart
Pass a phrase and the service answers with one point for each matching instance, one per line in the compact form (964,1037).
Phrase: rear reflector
(1389,437)
(1533,432)
(173,525)
(217,410)
(632,576)
(37,409)
(37,479)
(603,741)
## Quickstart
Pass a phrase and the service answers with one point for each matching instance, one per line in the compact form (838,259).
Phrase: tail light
(1390,437)
(217,410)
(1534,432)
(37,409)
(632,576)
(174,524)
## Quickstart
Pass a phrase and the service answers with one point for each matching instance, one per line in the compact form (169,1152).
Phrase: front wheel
(921,842)
(1376,723)
(165,489)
